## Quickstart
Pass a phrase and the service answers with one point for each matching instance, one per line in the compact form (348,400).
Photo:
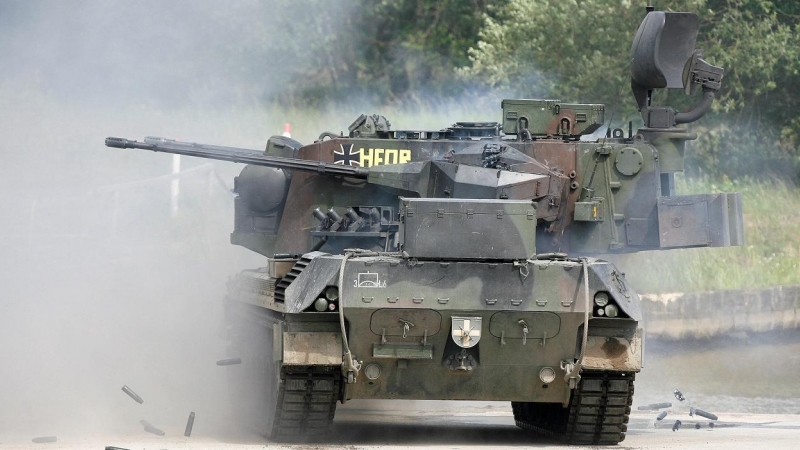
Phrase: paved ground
(467,426)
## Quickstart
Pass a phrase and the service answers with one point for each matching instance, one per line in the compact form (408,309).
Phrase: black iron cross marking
(346,156)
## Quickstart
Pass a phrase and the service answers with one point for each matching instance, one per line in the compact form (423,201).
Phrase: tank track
(288,404)
(597,414)
(306,403)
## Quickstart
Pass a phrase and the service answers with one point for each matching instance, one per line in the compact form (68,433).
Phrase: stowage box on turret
(461,264)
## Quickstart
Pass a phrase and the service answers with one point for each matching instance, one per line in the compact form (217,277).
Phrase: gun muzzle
(118,142)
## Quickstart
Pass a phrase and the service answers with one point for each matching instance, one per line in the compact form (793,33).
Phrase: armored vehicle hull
(447,330)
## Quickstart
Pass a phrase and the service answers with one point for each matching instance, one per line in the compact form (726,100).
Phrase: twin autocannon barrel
(237,155)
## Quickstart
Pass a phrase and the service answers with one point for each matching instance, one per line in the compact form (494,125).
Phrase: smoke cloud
(100,285)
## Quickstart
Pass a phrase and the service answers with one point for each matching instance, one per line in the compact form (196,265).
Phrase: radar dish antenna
(663,57)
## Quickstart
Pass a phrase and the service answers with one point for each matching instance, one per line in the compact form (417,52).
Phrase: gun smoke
(102,285)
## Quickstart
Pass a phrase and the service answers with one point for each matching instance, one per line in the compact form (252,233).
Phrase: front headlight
(547,375)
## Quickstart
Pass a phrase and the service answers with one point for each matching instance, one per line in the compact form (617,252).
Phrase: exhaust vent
(280,289)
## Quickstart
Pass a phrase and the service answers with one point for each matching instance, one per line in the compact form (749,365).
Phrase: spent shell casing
(189,425)
(661,415)
(677,425)
(150,428)
(653,406)
(229,361)
(705,414)
(155,431)
(44,439)
(132,394)
(109,447)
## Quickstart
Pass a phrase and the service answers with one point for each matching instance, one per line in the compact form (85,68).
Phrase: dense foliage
(574,49)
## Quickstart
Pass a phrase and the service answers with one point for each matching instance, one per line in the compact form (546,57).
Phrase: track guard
(312,348)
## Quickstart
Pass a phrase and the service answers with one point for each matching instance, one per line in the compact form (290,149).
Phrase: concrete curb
(708,314)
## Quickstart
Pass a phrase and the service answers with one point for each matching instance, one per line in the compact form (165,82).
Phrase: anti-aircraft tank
(461,264)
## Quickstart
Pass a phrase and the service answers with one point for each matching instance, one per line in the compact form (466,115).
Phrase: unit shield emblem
(466,331)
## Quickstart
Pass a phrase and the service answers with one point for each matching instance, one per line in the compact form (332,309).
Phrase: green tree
(756,128)
(578,50)
(575,50)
